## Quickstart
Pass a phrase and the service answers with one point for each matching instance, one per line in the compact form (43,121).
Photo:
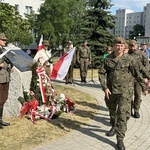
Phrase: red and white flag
(40,44)
(60,69)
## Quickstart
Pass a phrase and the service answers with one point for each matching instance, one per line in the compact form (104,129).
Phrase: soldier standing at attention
(5,69)
(142,60)
(84,59)
(117,69)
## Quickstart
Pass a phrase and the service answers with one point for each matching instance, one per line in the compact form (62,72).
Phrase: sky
(135,5)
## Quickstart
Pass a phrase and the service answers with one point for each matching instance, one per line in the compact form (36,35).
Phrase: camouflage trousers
(119,110)
(84,67)
(137,96)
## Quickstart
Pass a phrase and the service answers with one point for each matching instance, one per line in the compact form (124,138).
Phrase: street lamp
(139,39)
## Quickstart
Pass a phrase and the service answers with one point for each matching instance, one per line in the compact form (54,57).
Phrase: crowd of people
(122,62)
(125,63)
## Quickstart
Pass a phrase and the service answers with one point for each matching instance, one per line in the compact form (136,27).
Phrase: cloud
(136,5)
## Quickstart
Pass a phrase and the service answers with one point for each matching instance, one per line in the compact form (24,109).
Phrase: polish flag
(40,44)
(60,69)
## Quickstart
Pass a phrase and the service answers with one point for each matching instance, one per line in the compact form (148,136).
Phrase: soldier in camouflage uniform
(84,59)
(5,70)
(116,78)
(142,60)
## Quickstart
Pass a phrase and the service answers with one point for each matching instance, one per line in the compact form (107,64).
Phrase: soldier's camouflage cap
(132,43)
(119,40)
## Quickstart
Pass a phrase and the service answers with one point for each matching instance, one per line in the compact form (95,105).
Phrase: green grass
(22,134)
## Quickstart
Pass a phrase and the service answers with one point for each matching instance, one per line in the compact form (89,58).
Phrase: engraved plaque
(20,59)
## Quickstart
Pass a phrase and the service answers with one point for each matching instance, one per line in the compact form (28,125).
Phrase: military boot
(2,123)
(1,127)
(111,132)
(84,80)
(136,115)
(120,145)
(132,107)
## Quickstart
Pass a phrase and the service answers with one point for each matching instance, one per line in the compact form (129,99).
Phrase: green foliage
(34,82)
(137,29)
(16,29)
(21,100)
(96,22)
(59,21)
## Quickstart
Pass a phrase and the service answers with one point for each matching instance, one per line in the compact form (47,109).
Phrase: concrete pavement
(92,136)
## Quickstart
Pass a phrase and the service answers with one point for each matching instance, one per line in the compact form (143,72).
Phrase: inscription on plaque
(20,59)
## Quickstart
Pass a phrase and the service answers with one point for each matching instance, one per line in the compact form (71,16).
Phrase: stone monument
(20,79)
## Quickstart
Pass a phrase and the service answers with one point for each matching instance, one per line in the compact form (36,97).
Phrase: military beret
(119,40)
(45,42)
(2,36)
(132,42)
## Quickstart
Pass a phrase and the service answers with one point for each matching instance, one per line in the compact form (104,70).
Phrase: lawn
(22,134)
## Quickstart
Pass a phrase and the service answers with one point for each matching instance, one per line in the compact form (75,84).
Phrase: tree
(96,23)
(54,20)
(16,29)
(137,29)
(59,21)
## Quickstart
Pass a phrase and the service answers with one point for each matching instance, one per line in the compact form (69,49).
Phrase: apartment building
(146,20)
(126,19)
(24,6)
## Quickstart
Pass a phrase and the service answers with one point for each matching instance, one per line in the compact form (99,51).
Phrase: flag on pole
(40,44)
(60,69)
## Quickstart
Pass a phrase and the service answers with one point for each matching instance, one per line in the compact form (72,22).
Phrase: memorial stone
(20,79)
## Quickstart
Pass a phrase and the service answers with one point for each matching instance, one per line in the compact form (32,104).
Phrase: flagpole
(40,44)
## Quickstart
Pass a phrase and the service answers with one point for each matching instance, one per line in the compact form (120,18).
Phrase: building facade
(25,6)
(126,19)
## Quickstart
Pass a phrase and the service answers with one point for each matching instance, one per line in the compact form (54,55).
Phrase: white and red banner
(40,44)
(60,69)
(42,75)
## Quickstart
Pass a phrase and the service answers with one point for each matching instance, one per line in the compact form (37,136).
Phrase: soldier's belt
(85,57)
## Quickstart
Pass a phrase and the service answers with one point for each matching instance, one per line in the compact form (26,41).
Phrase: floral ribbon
(42,76)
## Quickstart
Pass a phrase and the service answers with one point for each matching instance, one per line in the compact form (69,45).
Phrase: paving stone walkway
(92,136)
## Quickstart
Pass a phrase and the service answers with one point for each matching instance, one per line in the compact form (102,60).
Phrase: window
(16,7)
(28,9)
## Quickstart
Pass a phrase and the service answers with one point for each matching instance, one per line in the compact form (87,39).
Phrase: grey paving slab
(92,136)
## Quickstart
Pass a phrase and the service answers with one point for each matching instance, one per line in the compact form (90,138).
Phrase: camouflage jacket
(84,52)
(142,61)
(117,74)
